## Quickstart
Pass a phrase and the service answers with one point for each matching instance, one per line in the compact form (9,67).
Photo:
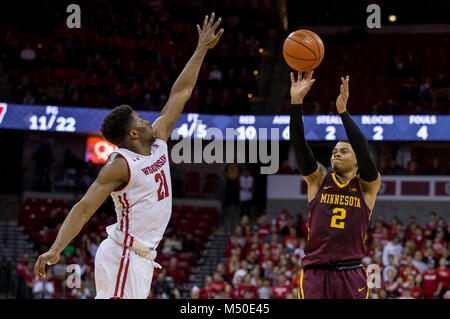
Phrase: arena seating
(283,246)
(35,213)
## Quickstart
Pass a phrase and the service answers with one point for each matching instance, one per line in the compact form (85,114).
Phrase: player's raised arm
(183,86)
(312,171)
(368,172)
(112,176)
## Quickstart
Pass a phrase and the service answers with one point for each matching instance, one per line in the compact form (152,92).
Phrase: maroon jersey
(338,222)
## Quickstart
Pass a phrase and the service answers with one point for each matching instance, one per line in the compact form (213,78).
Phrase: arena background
(131,52)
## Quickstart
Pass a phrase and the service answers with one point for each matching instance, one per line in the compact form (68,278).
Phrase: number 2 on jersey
(340,215)
(163,190)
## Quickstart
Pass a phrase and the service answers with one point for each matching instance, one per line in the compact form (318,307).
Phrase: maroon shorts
(333,284)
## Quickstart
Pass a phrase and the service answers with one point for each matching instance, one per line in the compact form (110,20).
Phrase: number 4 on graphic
(163,190)
(340,215)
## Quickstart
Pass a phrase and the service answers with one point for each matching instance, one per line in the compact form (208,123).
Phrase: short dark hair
(345,141)
(117,123)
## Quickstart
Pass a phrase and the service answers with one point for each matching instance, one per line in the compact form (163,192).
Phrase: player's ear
(133,134)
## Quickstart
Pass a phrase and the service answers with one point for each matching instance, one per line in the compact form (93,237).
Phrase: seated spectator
(207,292)
(390,266)
(218,283)
(265,291)
(241,272)
(195,293)
(393,248)
(443,277)
(418,263)
(172,244)
(174,272)
(281,288)
(44,288)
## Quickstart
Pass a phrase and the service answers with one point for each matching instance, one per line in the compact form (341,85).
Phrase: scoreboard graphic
(240,127)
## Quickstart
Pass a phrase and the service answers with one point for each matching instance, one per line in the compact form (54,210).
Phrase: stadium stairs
(212,254)
(14,243)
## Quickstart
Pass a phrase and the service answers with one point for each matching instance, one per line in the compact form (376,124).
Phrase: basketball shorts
(121,273)
(333,284)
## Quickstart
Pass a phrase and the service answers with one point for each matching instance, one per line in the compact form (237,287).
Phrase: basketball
(303,50)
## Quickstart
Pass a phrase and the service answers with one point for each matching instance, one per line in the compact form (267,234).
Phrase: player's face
(343,158)
(143,127)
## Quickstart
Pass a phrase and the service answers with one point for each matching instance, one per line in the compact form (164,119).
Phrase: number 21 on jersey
(338,217)
(163,190)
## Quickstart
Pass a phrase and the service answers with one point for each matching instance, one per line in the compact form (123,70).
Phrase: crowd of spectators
(263,261)
(131,52)
(180,244)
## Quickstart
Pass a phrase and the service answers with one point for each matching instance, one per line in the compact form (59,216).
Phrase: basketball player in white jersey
(137,177)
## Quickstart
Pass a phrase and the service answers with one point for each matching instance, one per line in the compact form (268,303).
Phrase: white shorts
(121,273)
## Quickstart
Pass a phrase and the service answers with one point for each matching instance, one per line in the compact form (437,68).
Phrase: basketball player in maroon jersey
(339,204)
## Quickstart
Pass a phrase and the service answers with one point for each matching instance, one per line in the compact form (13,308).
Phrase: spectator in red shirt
(217,283)
(443,277)
(174,272)
(408,269)
(377,232)
(232,243)
(439,241)
(418,238)
(207,292)
(282,287)
(431,225)
(430,282)
(414,289)
(291,241)
(263,227)
(282,220)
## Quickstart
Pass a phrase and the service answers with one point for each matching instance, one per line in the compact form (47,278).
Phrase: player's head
(123,126)
(343,158)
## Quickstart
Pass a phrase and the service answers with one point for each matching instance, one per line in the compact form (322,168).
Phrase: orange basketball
(303,50)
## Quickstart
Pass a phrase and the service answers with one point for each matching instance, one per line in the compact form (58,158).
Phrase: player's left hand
(206,37)
(341,101)
(49,258)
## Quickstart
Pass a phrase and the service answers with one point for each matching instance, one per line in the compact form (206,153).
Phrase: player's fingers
(36,269)
(216,24)
(311,83)
(310,74)
(205,22)
(292,77)
(300,76)
(212,19)
(199,29)
(219,34)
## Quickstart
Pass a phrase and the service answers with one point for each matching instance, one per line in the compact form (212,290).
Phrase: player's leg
(138,278)
(312,284)
(351,284)
(107,264)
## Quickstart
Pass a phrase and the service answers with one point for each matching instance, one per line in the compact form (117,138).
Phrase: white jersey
(144,205)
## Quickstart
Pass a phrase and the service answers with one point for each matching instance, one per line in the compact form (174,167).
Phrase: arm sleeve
(303,154)
(367,168)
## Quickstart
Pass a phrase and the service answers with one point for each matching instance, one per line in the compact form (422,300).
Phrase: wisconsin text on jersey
(340,200)
(156,166)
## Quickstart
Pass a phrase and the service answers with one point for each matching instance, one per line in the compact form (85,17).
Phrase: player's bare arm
(183,86)
(112,176)
(369,178)
(312,171)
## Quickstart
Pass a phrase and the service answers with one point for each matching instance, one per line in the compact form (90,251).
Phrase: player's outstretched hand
(206,37)
(341,101)
(49,258)
(300,87)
